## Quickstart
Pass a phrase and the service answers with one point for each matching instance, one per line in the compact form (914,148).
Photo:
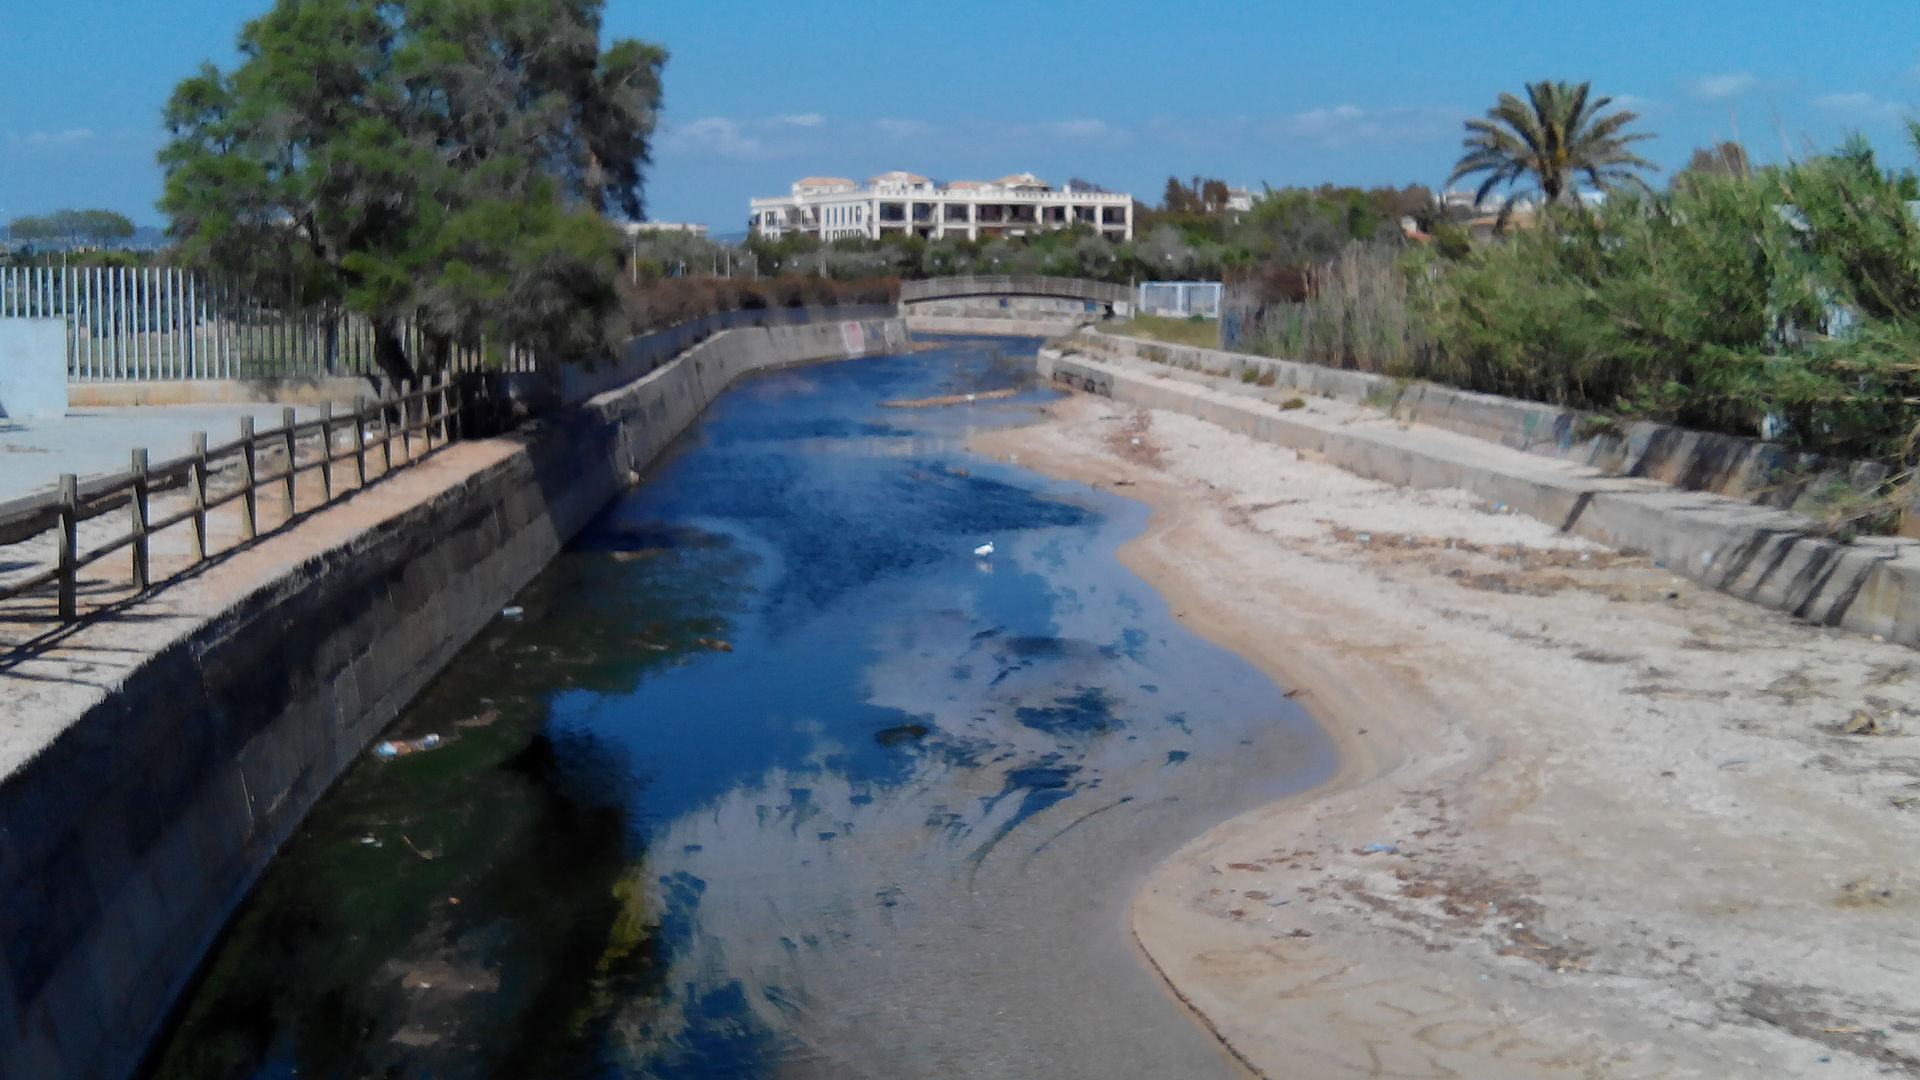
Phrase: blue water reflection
(777,778)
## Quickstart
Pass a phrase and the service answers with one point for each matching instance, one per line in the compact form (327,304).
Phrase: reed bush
(1783,304)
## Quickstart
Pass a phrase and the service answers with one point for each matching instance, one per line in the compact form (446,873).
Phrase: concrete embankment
(1007,326)
(1767,555)
(155,761)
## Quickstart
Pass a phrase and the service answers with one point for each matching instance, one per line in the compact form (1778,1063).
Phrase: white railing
(163,322)
(1181,299)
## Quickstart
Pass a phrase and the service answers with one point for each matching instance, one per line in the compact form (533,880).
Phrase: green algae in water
(480,902)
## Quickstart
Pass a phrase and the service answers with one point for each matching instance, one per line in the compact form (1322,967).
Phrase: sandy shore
(1592,820)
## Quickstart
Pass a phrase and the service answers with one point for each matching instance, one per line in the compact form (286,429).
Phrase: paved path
(88,442)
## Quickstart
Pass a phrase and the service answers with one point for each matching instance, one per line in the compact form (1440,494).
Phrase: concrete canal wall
(1768,555)
(136,809)
(992,325)
(1743,468)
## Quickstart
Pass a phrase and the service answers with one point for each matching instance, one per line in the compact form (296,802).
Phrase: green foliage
(1554,137)
(1356,313)
(1292,227)
(1203,332)
(1781,303)
(71,227)
(1725,158)
(436,161)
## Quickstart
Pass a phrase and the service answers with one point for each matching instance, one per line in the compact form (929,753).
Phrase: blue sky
(1121,92)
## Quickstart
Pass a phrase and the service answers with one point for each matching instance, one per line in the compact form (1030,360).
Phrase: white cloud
(902,129)
(1861,106)
(1721,87)
(1082,129)
(716,135)
(1632,103)
(749,138)
(1347,124)
(67,137)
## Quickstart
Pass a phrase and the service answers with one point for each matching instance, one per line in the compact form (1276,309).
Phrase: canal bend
(770,775)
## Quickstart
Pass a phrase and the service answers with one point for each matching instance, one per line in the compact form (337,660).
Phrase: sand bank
(1592,820)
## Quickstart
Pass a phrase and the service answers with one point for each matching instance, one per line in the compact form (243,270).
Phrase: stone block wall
(127,840)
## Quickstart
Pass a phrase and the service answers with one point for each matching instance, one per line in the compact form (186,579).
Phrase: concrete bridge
(1012,285)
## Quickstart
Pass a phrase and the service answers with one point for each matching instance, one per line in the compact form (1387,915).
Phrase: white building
(831,207)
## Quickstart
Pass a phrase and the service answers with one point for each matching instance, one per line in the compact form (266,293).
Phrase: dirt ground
(1592,819)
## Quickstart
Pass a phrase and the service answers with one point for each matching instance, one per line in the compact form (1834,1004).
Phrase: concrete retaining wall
(128,835)
(954,324)
(33,367)
(1749,469)
(1762,554)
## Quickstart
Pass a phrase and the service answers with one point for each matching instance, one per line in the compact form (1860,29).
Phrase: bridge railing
(347,451)
(944,288)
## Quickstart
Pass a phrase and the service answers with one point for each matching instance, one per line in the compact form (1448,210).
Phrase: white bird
(984,550)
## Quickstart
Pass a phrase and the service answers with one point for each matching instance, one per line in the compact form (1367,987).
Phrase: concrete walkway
(91,441)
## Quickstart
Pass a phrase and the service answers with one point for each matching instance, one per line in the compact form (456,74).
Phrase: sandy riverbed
(1592,820)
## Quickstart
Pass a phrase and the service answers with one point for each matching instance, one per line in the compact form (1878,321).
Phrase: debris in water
(484,719)
(902,733)
(984,550)
(512,611)
(387,749)
(716,644)
(1863,722)
(950,399)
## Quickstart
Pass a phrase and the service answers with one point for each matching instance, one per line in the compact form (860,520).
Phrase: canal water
(772,776)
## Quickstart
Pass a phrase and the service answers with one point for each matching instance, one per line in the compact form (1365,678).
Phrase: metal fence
(162,322)
(1180,299)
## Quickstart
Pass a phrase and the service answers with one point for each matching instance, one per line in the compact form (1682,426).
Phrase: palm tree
(1554,137)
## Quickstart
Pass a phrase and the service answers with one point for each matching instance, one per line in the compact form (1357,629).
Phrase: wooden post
(446,407)
(455,406)
(289,497)
(137,517)
(360,440)
(249,482)
(197,481)
(326,452)
(69,556)
(406,419)
(426,409)
(386,432)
